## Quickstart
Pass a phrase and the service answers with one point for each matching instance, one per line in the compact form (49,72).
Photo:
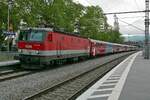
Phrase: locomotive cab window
(36,36)
(31,35)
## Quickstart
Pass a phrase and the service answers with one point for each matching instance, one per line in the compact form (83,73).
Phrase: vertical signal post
(146,29)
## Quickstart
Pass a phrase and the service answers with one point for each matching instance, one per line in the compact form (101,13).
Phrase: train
(40,47)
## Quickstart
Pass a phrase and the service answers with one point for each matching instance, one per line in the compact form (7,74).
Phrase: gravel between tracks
(19,88)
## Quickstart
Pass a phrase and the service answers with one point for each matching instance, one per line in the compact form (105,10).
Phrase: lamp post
(10,2)
(8,21)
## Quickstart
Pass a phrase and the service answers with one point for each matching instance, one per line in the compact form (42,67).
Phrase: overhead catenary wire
(131,25)
(131,17)
(127,12)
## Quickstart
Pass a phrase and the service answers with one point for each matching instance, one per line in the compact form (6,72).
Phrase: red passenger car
(97,47)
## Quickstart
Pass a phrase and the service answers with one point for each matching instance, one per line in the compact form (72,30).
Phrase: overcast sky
(120,6)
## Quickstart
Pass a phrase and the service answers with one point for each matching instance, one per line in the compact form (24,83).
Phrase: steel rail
(14,74)
(127,12)
(5,72)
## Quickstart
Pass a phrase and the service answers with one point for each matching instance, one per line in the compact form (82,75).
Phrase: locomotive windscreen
(31,35)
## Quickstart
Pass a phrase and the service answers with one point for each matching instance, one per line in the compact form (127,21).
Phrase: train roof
(98,41)
(53,30)
(42,29)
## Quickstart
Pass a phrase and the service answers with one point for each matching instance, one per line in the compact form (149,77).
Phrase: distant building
(116,23)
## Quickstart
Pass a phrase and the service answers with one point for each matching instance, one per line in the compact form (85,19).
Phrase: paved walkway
(130,80)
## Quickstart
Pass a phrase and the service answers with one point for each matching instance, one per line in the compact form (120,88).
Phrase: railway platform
(130,80)
(7,63)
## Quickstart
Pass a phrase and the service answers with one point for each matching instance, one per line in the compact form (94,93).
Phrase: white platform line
(111,80)
(88,93)
(96,96)
(109,84)
(107,89)
(117,90)
(115,76)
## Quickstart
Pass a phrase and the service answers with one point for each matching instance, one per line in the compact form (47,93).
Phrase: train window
(36,36)
(31,35)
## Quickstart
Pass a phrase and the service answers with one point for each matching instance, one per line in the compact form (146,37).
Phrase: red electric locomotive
(43,46)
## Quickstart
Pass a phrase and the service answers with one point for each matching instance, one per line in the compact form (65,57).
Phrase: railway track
(72,87)
(12,74)
(5,72)
(10,70)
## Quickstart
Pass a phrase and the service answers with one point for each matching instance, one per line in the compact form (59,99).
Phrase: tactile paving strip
(104,88)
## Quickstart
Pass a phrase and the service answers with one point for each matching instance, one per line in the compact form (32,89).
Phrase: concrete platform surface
(130,80)
(7,63)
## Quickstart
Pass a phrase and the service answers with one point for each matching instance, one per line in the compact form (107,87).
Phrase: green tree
(61,14)
(92,21)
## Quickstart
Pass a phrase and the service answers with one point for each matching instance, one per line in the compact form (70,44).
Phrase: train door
(93,49)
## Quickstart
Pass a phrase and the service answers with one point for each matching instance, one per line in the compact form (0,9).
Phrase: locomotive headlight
(37,52)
